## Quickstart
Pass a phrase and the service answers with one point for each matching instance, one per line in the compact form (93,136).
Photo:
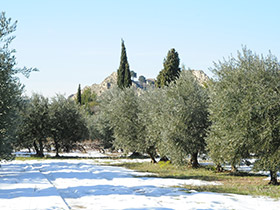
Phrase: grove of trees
(234,117)
(58,123)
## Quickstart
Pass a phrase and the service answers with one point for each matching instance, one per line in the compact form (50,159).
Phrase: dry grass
(239,183)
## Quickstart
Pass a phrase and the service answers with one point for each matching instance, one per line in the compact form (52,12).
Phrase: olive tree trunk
(193,161)
(273,178)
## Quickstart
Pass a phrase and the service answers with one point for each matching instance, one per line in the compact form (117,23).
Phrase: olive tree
(68,124)
(99,123)
(99,128)
(35,126)
(123,117)
(245,111)
(121,121)
(10,87)
(151,105)
(184,119)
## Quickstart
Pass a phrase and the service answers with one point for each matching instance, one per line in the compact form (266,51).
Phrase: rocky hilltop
(107,83)
(201,77)
(111,81)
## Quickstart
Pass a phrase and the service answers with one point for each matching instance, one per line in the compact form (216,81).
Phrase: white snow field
(83,184)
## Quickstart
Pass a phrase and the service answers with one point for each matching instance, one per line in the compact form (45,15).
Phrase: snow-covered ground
(88,154)
(85,184)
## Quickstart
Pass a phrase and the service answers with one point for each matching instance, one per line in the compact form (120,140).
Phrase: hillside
(111,81)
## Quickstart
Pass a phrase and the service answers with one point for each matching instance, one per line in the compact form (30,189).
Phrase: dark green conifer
(124,76)
(79,95)
(171,69)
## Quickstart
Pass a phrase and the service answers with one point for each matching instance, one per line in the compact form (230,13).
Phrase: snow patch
(82,184)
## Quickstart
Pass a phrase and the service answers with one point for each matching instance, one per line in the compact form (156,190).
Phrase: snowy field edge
(85,184)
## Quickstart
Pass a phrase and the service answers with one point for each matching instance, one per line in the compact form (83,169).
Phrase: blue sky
(75,42)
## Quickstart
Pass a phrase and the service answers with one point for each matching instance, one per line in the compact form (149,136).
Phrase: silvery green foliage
(151,105)
(35,125)
(184,118)
(68,123)
(123,117)
(99,128)
(100,125)
(10,88)
(227,142)
(22,140)
(245,110)
(129,116)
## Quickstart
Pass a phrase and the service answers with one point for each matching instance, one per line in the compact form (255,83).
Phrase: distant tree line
(232,118)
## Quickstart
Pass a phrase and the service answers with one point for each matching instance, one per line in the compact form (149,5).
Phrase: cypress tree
(79,95)
(124,75)
(171,69)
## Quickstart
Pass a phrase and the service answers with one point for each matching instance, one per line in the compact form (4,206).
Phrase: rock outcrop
(201,77)
(111,81)
(107,83)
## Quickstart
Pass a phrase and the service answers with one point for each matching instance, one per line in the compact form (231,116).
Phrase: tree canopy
(67,124)
(123,118)
(89,100)
(245,111)
(184,119)
(142,79)
(124,74)
(35,125)
(79,95)
(10,87)
(171,69)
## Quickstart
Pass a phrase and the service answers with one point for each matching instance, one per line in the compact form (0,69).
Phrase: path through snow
(81,184)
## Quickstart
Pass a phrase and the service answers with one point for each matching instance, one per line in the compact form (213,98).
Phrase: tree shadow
(150,208)
(43,172)
(94,190)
